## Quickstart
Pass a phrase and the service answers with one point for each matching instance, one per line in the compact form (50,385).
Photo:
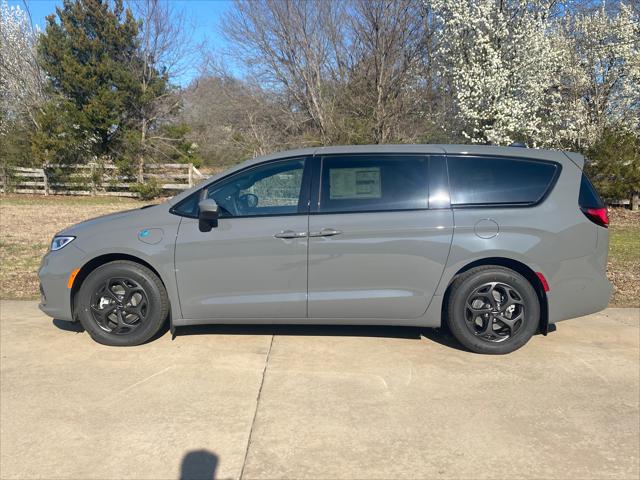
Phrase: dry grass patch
(27,225)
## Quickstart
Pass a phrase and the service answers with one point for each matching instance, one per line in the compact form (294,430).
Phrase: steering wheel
(234,205)
(228,205)
(247,202)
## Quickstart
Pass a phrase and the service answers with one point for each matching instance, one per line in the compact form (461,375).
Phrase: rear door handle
(326,232)
(290,234)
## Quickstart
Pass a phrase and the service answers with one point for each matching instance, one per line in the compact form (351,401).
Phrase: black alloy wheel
(122,303)
(492,309)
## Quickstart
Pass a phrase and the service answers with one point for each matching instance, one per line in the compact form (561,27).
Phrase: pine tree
(91,55)
(614,165)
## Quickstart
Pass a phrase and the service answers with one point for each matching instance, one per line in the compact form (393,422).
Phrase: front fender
(161,264)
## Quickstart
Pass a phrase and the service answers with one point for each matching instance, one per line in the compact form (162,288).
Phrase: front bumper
(54,271)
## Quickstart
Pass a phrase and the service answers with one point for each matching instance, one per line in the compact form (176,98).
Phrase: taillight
(597,215)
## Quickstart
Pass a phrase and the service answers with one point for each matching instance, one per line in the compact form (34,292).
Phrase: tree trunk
(143,137)
(635,201)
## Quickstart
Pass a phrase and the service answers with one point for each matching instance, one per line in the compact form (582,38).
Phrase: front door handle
(290,234)
(326,232)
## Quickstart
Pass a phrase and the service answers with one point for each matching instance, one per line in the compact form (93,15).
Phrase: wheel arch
(516,266)
(98,261)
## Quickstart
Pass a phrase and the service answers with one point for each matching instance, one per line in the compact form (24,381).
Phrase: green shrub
(147,190)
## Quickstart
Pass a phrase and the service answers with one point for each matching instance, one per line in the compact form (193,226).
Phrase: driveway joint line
(255,413)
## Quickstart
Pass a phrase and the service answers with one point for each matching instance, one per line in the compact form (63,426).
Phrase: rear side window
(499,180)
(589,197)
(354,183)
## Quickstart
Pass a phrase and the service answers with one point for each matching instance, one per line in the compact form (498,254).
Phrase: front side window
(498,180)
(270,189)
(357,183)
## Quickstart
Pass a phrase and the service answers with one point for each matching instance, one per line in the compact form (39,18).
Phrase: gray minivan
(497,243)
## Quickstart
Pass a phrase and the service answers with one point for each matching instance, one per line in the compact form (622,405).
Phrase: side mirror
(207,214)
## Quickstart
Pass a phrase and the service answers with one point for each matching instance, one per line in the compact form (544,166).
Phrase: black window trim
(600,203)
(302,200)
(438,178)
(311,184)
(317,181)
(549,189)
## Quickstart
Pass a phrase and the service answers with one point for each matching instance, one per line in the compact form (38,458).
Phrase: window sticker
(354,183)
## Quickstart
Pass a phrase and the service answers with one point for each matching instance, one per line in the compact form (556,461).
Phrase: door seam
(175,268)
(308,247)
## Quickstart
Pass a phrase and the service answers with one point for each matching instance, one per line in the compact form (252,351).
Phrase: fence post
(45,180)
(92,172)
(190,175)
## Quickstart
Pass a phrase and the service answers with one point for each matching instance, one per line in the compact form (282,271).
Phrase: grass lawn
(624,257)
(27,224)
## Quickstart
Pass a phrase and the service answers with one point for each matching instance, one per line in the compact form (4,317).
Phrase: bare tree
(389,37)
(232,118)
(167,52)
(343,63)
(296,47)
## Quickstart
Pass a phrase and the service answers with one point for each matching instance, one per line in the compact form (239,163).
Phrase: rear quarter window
(589,197)
(499,180)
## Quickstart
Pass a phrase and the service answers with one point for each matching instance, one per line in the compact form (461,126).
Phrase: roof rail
(518,144)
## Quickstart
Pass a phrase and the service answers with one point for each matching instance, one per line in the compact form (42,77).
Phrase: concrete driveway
(318,402)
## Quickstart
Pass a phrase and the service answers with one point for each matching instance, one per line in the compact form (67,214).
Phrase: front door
(375,248)
(254,263)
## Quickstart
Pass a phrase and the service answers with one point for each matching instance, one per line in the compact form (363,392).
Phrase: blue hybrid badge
(150,236)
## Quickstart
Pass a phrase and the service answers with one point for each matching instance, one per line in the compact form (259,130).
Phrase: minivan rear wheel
(493,310)
(122,303)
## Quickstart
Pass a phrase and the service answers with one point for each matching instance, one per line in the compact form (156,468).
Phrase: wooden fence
(97,180)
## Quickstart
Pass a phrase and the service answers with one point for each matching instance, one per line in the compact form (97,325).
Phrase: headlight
(59,242)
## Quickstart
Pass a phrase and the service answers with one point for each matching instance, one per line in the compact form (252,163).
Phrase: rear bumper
(578,287)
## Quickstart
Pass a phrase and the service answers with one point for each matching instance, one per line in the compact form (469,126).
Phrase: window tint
(189,206)
(589,197)
(496,180)
(354,183)
(271,189)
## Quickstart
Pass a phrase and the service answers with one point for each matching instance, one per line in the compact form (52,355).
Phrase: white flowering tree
(514,71)
(21,80)
(601,79)
(501,65)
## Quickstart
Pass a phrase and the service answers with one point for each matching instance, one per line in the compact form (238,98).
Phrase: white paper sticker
(354,183)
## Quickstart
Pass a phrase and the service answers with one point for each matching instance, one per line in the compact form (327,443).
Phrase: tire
(122,303)
(492,310)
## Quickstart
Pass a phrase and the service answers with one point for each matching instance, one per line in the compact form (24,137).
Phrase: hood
(111,220)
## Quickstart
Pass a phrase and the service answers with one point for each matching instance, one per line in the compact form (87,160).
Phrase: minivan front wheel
(122,303)
(493,310)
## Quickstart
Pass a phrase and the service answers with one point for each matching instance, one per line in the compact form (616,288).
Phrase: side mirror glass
(207,214)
